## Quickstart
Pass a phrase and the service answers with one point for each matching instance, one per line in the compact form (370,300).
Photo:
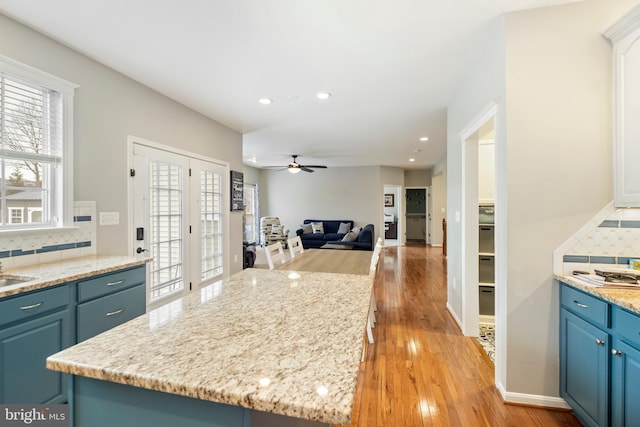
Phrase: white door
(159,210)
(207,220)
(178,218)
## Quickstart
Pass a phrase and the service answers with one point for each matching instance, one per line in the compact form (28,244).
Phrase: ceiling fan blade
(306,169)
(314,166)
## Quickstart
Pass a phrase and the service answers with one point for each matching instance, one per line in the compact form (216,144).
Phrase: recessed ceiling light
(323,95)
(424,139)
(412,159)
(265,101)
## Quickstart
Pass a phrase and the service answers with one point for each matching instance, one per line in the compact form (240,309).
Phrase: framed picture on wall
(237,191)
(388,200)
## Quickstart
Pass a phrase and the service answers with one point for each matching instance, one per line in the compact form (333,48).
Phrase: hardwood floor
(421,371)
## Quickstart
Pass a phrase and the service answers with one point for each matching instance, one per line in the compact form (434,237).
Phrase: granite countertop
(67,270)
(625,298)
(277,341)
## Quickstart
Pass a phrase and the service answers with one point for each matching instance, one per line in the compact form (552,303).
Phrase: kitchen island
(261,347)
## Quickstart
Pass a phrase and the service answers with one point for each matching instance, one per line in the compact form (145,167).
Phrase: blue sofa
(331,235)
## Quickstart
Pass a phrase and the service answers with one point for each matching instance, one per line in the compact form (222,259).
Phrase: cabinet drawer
(584,305)
(110,283)
(32,304)
(626,325)
(109,311)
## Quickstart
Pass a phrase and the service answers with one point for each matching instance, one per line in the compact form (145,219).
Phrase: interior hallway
(421,371)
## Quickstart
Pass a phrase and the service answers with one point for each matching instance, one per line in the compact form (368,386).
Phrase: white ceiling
(391,66)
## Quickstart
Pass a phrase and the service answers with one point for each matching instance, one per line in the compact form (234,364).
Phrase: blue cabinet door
(584,380)
(24,349)
(625,379)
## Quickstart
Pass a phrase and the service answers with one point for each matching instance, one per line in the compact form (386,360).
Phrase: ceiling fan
(295,167)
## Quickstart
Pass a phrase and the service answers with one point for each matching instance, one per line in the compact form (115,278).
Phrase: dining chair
(274,252)
(295,246)
(373,307)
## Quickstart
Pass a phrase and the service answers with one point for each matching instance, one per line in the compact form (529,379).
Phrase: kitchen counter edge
(67,270)
(625,298)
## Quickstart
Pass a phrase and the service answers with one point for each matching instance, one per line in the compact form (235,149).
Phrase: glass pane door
(208,220)
(161,210)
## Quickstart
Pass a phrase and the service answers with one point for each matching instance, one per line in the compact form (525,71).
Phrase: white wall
(486,171)
(108,108)
(438,207)
(559,152)
(354,193)
(482,87)
(549,70)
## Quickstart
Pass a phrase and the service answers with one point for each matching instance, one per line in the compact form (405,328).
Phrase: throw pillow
(306,228)
(276,229)
(317,227)
(351,236)
(344,228)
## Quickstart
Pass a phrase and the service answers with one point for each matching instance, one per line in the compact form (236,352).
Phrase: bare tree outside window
(28,144)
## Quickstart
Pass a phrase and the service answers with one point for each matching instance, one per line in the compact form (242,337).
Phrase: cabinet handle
(599,342)
(29,307)
(616,352)
(114,313)
(119,282)
(580,305)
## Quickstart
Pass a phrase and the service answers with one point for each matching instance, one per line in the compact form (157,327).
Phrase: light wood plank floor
(421,371)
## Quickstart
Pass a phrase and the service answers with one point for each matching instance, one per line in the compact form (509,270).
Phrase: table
(256,348)
(330,261)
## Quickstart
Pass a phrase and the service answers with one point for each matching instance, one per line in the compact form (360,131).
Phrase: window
(35,147)
(250,212)
(15,215)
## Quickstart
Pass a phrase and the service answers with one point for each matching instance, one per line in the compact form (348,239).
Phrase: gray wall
(354,193)
(417,177)
(108,108)
(549,70)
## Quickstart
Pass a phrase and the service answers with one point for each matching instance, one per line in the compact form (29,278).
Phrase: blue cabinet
(625,378)
(599,359)
(34,326)
(37,324)
(584,369)
(109,300)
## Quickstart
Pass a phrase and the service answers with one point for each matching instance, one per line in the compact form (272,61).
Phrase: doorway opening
(393,216)
(481,309)
(417,215)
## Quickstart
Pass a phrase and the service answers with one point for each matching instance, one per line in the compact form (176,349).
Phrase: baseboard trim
(455,317)
(534,400)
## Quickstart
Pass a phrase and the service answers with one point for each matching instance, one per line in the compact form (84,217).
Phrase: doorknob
(140,250)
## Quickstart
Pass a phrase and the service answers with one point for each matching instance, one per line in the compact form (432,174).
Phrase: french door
(178,217)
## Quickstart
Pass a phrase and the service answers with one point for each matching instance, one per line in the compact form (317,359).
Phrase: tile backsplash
(46,245)
(609,240)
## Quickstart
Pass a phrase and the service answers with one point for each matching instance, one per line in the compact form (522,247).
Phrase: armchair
(271,231)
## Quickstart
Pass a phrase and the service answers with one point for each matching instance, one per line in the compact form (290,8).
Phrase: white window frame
(13,209)
(31,211)
(62,212)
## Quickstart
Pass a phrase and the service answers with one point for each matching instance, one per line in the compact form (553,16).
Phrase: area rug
(487,339)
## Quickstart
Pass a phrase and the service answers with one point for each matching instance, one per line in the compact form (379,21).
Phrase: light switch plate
(109,218)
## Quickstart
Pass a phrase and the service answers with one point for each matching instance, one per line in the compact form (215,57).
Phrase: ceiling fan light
(294,169)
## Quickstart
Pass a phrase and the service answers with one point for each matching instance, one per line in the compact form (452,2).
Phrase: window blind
(31,121)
